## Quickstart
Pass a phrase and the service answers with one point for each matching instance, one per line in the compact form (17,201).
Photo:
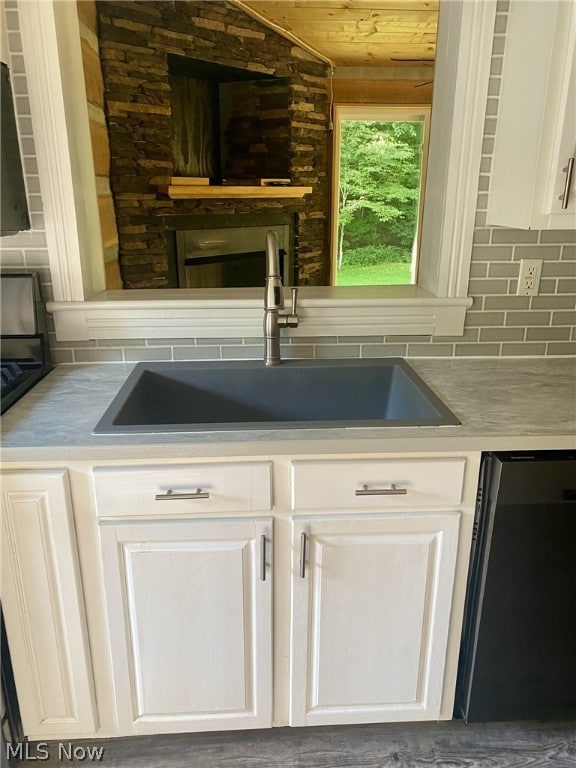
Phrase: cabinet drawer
(182,489)
(377,483)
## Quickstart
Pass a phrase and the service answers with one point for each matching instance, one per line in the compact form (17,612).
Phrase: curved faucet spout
(274,296)
(272,254)
(274,301)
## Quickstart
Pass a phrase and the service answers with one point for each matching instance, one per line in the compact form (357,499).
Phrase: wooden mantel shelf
(188,192)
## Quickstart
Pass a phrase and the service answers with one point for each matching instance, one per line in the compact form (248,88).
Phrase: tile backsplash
(498,324)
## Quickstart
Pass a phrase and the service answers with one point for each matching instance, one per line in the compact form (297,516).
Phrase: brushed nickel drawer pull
(263,558)
(198,494)
(392,491)
(303,555)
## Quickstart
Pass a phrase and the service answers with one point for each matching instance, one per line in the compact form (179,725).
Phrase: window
(435,305)
(380,155)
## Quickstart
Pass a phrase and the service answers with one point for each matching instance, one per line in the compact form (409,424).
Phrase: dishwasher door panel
(518,658)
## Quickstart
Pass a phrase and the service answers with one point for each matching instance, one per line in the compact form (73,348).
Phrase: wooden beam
(215,192)
(401,6)
(382,92)
(417,72)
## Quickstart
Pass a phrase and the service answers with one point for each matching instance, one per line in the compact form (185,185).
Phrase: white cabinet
(536,123)
(377,483)
(237,593)
(374,556)
(183,489)
(42,600)
(189,601)
(371,600)
(370,614)
(190,616)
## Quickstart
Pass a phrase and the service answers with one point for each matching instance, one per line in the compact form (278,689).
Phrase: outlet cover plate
(529,277)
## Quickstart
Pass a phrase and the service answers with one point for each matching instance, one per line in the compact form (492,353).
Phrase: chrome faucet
(274,302)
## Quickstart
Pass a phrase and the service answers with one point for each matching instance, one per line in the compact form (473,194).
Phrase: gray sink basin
(207,396)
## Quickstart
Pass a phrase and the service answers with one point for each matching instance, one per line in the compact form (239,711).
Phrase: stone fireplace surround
(136,39)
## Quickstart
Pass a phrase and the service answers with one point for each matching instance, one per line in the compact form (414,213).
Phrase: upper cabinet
(535,140)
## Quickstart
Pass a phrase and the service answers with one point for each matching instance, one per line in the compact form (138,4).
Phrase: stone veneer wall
(135,40)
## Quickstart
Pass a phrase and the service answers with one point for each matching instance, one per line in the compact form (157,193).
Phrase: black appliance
(24,350)
(14,207)
(518,654)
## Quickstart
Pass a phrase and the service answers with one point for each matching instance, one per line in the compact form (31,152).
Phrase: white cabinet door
(560,202)
(371,601)
(536,122)
(190,616)
(43,605)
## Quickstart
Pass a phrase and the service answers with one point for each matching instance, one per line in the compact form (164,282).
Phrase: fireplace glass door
(230,257)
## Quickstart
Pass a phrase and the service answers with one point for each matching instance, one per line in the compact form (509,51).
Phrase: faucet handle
(293,311)
(291,319)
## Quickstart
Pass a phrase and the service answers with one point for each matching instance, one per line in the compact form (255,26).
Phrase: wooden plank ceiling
(359,33)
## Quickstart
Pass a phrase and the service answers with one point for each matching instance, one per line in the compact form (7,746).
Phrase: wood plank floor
(415,745)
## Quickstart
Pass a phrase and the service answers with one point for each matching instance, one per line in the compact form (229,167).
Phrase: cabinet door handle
(198,494)
(303,547)
(392,491)
(568,171)
(263,558)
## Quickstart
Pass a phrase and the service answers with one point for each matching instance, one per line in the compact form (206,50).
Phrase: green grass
(377,274)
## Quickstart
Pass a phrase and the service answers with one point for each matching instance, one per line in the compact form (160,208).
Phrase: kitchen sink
(207,396)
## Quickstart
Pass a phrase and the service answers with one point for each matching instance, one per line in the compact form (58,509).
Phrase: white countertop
(504,404)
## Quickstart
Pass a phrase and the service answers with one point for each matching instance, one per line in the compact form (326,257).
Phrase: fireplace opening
(229,251)
(228,124)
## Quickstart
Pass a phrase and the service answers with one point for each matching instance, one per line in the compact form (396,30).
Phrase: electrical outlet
(529,277)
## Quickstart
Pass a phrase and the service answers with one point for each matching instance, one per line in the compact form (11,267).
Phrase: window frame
(380,113)
(52,54)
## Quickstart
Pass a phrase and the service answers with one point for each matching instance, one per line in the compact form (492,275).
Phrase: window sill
(238,313)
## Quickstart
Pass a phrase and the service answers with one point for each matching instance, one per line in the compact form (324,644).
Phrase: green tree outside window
(379,189)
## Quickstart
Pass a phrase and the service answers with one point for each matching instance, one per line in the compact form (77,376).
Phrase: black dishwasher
(518,653)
